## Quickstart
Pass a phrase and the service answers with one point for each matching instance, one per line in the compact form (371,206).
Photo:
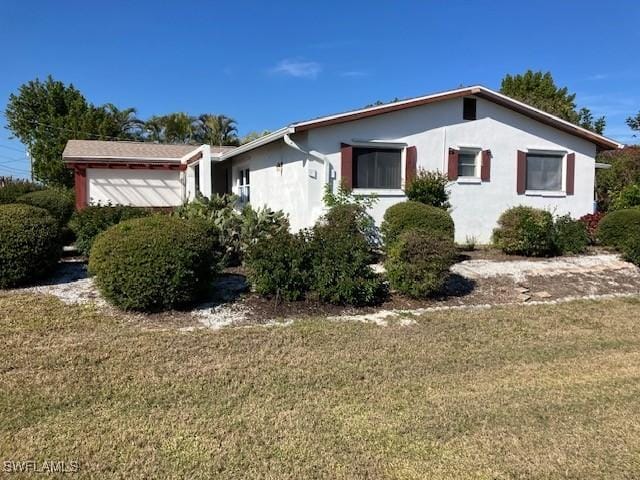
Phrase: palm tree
(179,128)
(217,130)
(126,122)
(154,129)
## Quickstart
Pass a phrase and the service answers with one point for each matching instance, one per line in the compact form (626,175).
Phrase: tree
(634,123)
(251,136)
(176,127)
(539,90)
(44,115)
(217,130)
(125,121)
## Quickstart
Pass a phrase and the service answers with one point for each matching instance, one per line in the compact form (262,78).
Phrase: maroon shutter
(485,168)
(411,165)
(521,181)
(571,172)
(346,165)
(452,168)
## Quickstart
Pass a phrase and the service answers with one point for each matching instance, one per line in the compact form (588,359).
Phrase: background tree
(634,123)
(251,136)
(44,115)
(539,90)
(217,130)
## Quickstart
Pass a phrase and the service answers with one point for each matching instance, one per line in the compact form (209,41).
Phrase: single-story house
(496,151)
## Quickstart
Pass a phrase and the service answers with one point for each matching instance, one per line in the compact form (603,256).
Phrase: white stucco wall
(139,188)
(432,129)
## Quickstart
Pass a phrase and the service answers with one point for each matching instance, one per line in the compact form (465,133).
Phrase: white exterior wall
(138,188)
(432,129)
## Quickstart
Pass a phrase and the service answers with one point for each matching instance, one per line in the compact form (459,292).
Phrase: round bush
(30,244)
(414,215)
(418,262)
(153,263)
(525,231)
(58,203)
(631,248)
(89,222)
(570,235)
(279,266)
(616,226)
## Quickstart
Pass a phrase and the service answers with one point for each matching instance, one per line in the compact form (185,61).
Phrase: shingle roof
(78,149)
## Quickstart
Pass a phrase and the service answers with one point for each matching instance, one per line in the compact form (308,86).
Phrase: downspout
(312,153)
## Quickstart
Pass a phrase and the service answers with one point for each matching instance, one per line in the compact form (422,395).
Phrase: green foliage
(234,231)
(345,196)
(631,248)
(634,122)
(180,127)
(44,115)
(616,227)
(89,222)
(418,262)
(279,265)
(11,189)
(628,197)
(570,236)
(356,213)
(539,90)
(414,215)
(624,171)
(153,263)
(525,231)
(429,188)
(30,244)
(340,256)
(58,202)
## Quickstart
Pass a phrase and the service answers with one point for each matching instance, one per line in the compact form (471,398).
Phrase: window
(544,172)
(244,190)
(467,163)
(468,108)
(196,171)
(377,168)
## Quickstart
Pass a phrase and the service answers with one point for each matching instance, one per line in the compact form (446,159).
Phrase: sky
(267,63)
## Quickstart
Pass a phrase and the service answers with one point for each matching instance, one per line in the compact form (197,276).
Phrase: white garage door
(139,188)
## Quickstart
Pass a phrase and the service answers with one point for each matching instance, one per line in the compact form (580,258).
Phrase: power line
(11,148)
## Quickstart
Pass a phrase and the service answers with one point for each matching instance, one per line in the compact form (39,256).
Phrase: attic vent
(468,108)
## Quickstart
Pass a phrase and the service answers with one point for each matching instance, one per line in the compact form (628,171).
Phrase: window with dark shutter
(469,108)
(377,168)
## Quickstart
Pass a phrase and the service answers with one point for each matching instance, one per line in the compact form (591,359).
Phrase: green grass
(517,392)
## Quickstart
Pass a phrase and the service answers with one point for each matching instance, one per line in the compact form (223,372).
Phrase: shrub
(625,170)
(11,189)
(631,248)
(153,263)
(279,266)
(525,231)
(418,262)
(570,236)
(414,215)
(355,214)
(591,222)
(340,257)
(59,203)
(30,244)
(89,222)
(429,188)
(235,231)
(628,197)
(615,227)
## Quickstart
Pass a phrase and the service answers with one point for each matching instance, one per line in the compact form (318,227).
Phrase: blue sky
(267,64)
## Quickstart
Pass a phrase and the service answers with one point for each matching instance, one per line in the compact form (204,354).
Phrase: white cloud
(353,73)
(297,68)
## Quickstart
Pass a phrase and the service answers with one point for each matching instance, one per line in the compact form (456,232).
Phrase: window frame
(477,152)
(243,184)
(562,155)
(402,149)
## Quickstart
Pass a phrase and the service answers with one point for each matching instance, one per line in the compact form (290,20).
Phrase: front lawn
(514,392)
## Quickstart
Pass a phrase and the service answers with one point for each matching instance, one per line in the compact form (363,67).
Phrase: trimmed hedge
(340,256)
(10,192)
(279,266)
(153,263)
(30,244)
(525,231)
(570,236)
(418,262)
(59,203)
(615,227)
(89,222)
(414,215)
